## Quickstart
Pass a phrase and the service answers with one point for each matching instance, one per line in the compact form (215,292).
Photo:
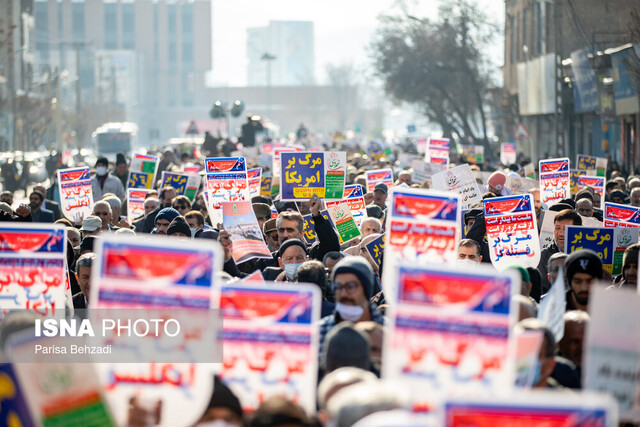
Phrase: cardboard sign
(376,249)
(512,231)
(527,409)
(254,177)
(438,151)
(135,203)
(226,182)
(355,199)
(507,153)
(142,171)
(592,165)
(450,331)
(595,182)
(553,306)
(247,241)
(459,180)
(612,348)
(32,267)
(377,176)
(554,181)
(307,173)
(343,220)
(76,196)
(271,342)
(184,183)
(423,224)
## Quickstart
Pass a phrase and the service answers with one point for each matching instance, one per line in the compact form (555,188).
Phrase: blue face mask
(290,270)
(536,373)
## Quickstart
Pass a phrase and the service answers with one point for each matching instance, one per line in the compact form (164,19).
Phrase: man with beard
(38,213)
(583,268)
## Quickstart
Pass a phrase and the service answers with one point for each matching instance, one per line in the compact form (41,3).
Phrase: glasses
(180,207)
(101,213)
(348,287)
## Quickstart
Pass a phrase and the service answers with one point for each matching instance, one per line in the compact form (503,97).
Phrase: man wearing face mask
(291,255)
(103,183)
(469,253)
(353,280)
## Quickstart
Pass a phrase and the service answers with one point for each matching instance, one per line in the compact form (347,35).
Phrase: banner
(343,222)
(307,173)
(355,199)
(423,224)
(184,183)
(142,171)
(376,249)
(226,182)
(459,180)
(135,203)
(608,243)
(379,175)
(438,151)
(32,267)
(595,182)
(528,409)
(507,153)
(254,180)
(612,348)
(76,197)
(512,231)
(553,306)
(271,342)
(616,215)
(592,165)
(450,331)
(554,181)
(247,241)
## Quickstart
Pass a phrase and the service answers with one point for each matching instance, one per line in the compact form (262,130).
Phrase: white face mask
(101,170)
(193,231)
(350,313)
(290,270)
(466,263)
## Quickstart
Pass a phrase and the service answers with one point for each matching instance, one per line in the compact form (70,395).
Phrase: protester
(583,268)
(83,275)
(103,183)
(102,209)
(38,213)
(469,253)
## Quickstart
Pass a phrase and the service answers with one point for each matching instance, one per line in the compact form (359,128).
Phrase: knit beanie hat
(346,346)
(167,213)
(497,180)
(360,267)
(179,225)
(223,397)
(630,256)
(291,242)
(583,261)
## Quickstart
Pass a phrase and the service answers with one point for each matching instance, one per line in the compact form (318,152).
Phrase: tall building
(561,78)
(159,50)
(290,44)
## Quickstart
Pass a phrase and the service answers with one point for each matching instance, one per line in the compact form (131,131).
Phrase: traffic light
(237,108)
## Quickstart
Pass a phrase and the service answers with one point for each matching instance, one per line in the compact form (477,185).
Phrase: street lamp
(268,58)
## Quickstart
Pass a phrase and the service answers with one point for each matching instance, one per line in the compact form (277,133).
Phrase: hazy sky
(343,29)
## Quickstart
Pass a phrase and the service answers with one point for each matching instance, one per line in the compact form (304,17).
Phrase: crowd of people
(350,391)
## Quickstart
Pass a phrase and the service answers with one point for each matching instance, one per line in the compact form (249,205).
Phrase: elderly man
(404,177)
(634,197)
(556,262)
(102,209)
(83,274)
(585,207)
(370,226)
(571,344)
(469,253)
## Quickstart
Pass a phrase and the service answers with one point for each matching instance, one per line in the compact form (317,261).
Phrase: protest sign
(592,165)
(423,224)
(247,241)
(512,231)
(546,229)
(482,177)
(608,243)
(135,203)
(528,344)
(32,267)
(450,331)
(271,342)
(421,145)
(14,410)
(275,166)
(376,249)
(377,176)
(76,197)
(355,199)
(309,230)
(507,153)
(554,180)
(226,182)
(255,277)
(254,180)
(438,151)
(142,171)
(423,171)
(61,394)
(612,347)
(530,171)
(184,183)
(595,182)
(265,184)
(520,185)
(616,215)
(553,306)
(473,154)
(191,169)
(405,160)
(343,221)
(527,409)
(574,174)
(459,180)
(305,174)
(375,150)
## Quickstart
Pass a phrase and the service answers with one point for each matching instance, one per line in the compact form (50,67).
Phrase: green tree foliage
(440,65)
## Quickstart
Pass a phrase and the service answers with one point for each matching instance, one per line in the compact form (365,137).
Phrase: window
(41,15)
(77,11)
(128,26)
(110,26)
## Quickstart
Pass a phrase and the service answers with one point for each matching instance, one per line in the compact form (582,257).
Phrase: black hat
(560,206)
(583,261)
(584,194)
(346,346)
(630,256)
(360,267)
(291,242)
(375,211)
(618,193)
(102,161)
(209,234)
(179,225)
(382,187)
(223,397)
(87,243)
(120,159)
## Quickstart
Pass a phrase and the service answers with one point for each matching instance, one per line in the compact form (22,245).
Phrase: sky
(342,28)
